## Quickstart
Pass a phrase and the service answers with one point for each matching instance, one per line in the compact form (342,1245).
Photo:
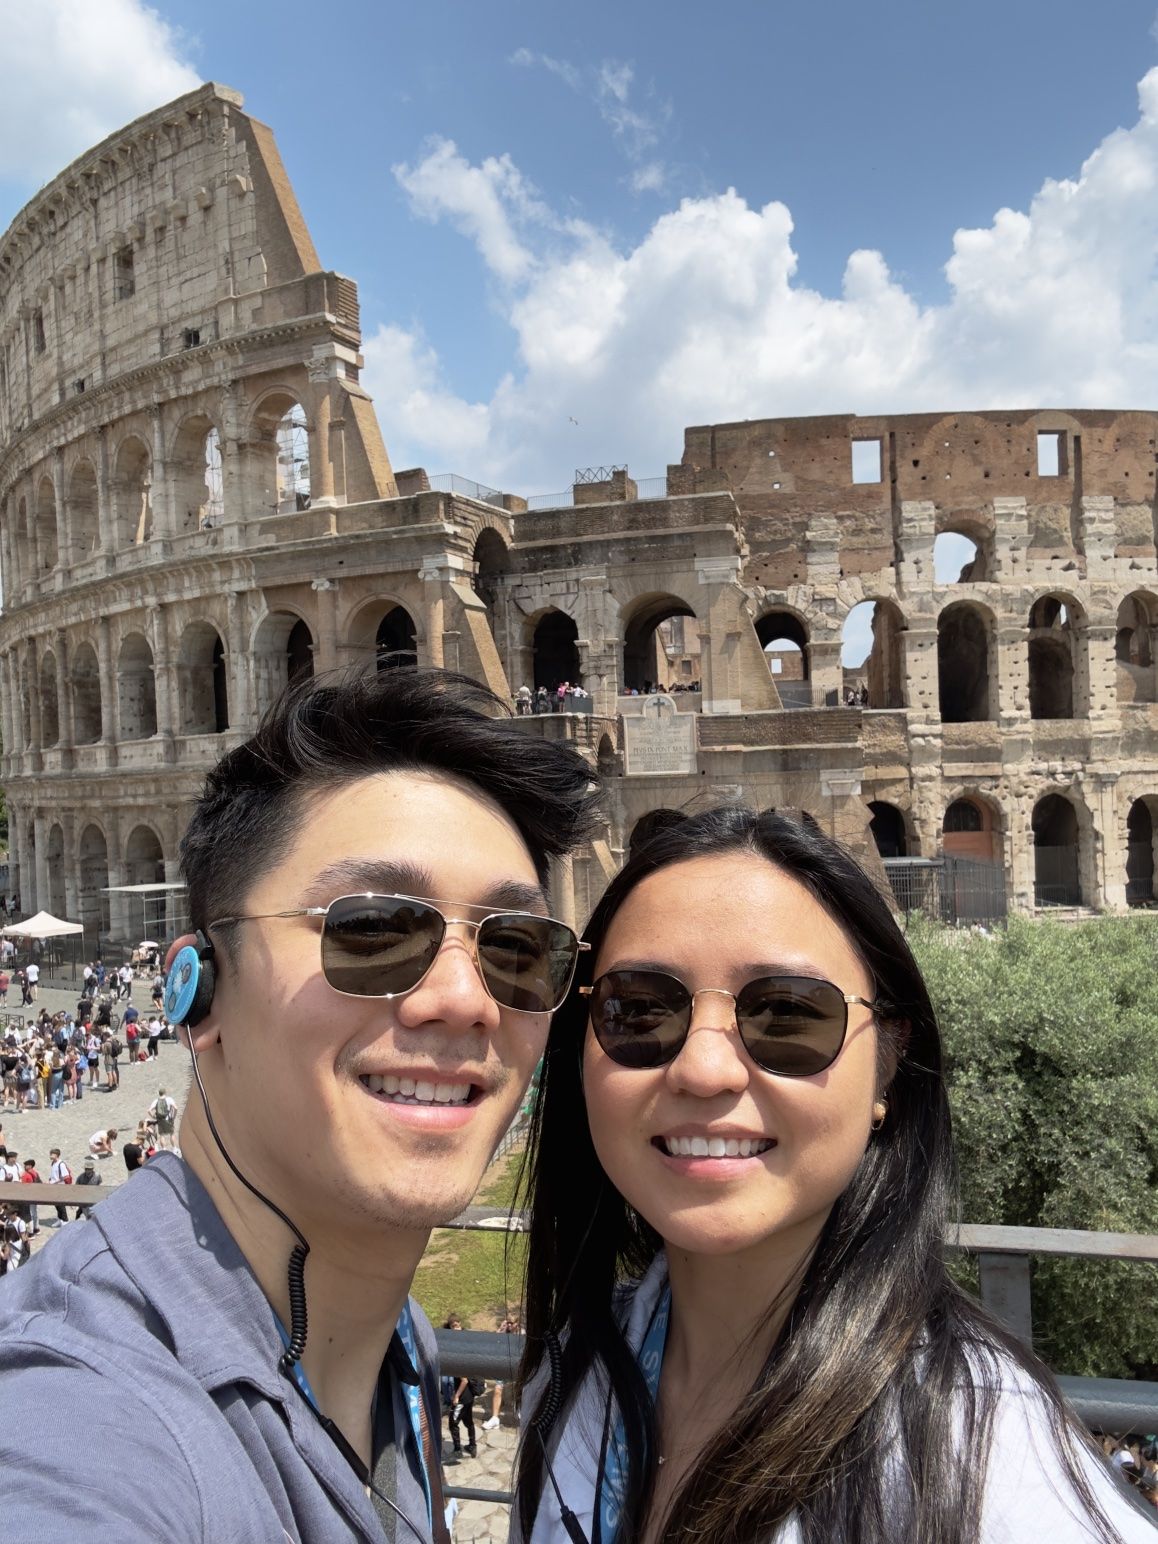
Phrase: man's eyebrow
(353,876)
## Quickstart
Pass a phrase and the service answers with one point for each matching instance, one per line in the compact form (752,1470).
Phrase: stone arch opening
(47,547)
(132,493)
(491,562)
(1134,649)
(283,652)
(87,725)
(970,829)
(965,654)
(283,438)
(648,825)
(959,557)
(784,638)
(871,654)
(888,830)
(606,758)
(83,517)
(23,552)
(49,703)
(395,640)
(1055,638)
(144,858)
(1140,830)
(54,853)
(645,658)
(202,684)
(93,874)
(1056,852)
(195,469)
(136,689)
(555,648)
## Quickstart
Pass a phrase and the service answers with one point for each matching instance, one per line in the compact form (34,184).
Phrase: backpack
(24,1077)
(477,1386)
(65,1172)
(165,1108)
(115,1049)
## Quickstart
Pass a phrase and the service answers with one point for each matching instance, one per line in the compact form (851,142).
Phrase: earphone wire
(298,1314)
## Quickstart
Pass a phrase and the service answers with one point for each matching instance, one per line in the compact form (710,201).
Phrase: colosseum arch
(202,681)
(47,545)
(555,649)
(872,648)
(49,703)
(963,551)
(1057,852)
(382,632)
(195,473)
(83,518)
(972,827)
(93,876)
(966,663)
(85,683)
(1058,667)
(491,561)
(132,493)
(23,551)
(136,689)
(280,479)
(144,858)
(644,659)
(1141,829)
(1136,648)
(889,829)
(784,637)
(283,652)
(54,853)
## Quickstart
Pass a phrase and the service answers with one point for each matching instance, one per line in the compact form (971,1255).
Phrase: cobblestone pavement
(69,1128)
(484,1522)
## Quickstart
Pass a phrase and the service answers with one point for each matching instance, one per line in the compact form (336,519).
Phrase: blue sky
(934,206)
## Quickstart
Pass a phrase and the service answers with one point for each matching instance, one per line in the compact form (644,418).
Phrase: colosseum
(197,506)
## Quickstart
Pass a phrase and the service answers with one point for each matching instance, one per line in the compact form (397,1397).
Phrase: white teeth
(374,1083)
(716,1147)
(406,1085)
(424,1092)
(443,1093)
(389,1085)
(410,1091)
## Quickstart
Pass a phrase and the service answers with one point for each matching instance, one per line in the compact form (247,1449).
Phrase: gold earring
(880,1110)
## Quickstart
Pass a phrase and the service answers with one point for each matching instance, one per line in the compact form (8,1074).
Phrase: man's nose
(452,992)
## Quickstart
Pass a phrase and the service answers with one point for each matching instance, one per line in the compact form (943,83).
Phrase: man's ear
(186,941)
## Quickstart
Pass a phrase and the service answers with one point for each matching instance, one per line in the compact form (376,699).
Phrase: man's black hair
(336,729)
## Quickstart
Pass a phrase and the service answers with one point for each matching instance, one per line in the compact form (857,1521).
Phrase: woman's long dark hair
(871,1419)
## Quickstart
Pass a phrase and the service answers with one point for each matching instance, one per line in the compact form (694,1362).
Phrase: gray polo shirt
(140,1397)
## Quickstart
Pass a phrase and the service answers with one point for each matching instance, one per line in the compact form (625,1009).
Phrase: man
(32,976)
(164,1111)
(87,1176)
(156,1026)
(361,1053)
(125,976)
(59,1173)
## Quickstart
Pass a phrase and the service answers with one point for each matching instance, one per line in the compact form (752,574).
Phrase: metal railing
(597,474)
(451,482)
(1056,881)
(952,890)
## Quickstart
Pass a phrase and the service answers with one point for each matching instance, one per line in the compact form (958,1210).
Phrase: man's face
(295,1083)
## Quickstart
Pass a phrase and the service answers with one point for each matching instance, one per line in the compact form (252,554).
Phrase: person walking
(156,1027)
(32,976)
(89,1175)
(59,1173)
(30,1210)
(164,1111)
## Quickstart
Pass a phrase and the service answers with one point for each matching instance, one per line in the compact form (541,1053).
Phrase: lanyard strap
(414,1405)
(612,1485)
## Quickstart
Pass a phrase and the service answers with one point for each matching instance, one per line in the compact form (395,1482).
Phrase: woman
(740,1329)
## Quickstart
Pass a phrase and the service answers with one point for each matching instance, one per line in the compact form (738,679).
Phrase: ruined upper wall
(180,229)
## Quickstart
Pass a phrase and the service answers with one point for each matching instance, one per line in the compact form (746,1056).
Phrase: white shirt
(1026,1494)
(57,1170)
(33,974)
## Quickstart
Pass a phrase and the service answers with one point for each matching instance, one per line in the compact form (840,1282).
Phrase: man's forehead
(356,875)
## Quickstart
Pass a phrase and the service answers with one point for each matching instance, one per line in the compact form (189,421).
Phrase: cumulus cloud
(705,319)
(76,70)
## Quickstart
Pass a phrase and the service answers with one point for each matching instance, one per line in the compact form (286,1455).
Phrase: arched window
(136,689)
(1051,659)
(784,639)
(46,542)
(1140,852)
(962,815)
(646,660)
(1134,647)
(87,725)
(84,526)
(49,705)
(293,461)
(202,688)
(969,830)
(490,565)
(195,471)
(871,655)
(133,493)
(1057,879)
(56,901)
(396,641)
(283,652)
(888,830)
(963,665)
(957,559)
(93,873)
(144,859)
(23,552)
(556,650)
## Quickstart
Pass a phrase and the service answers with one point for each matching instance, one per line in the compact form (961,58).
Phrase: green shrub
(1051,1054)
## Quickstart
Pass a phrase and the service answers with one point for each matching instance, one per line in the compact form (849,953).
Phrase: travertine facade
(196,504)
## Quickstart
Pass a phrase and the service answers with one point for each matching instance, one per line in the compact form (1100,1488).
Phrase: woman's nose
(712,1059)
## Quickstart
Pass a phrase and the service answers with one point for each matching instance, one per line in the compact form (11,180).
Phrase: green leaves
(1051,1041)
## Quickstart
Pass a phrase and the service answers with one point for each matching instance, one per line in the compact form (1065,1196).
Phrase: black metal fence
(952,890)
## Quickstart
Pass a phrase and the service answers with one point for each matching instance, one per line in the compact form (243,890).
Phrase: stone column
(240,694)
(173,901)
(33,669)
(118,904)
(1107,866)
(159,492)
(321,463)
(326,635)
(918,528)
(16,884)
(167,725)
(110,698)
(40,826)
(7,721)
(105,517)
(1012,675)
(435,609)
(71,867)
(66,736)
(563,890)
(64,553)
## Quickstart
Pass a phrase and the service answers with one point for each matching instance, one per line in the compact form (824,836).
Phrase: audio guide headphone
(190,983)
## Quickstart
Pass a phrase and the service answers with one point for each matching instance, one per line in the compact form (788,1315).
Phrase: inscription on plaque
(660,739)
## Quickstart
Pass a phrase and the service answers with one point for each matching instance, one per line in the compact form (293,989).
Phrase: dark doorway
(1139,855)
(888,829)
(396,642)
(299,653)
(556,650)
(963,665)
(1057,880)
(220,688)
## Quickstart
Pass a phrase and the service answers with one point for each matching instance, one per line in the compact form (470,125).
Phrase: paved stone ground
(483,1522)
(69,1128)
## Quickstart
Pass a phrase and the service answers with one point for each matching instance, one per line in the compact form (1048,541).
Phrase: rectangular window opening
(40,342)
(866,461)
(192,337)
(124,279)
(1051,454)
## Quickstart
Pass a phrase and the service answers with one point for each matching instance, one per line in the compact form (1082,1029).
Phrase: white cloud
(76,70)
(566,72)
(705,319)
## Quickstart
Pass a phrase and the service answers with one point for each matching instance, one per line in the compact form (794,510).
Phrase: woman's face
(719,922)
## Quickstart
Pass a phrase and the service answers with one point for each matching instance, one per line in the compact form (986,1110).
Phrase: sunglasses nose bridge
(711,991)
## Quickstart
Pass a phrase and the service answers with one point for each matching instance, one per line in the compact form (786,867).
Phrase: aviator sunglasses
(791,1025)
(383,946)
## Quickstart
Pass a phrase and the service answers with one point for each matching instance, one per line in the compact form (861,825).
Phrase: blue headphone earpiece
(190,983)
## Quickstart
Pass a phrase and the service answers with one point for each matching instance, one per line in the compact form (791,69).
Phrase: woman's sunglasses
(791,1025)
(383,946)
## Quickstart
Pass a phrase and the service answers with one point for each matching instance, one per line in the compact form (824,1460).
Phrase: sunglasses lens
(792,1025)
(526,961)
(379,946)
(640,1017)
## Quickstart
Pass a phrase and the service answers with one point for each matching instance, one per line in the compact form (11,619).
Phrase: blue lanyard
(613,1477)
(413,1394)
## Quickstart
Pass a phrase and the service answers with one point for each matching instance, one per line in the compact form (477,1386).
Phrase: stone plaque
(660,739)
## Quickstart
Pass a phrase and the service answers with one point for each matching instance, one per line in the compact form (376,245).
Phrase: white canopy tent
(43,925)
